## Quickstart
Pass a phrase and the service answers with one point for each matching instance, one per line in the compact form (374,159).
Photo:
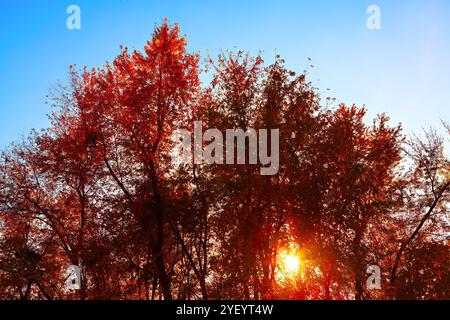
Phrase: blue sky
(402,69)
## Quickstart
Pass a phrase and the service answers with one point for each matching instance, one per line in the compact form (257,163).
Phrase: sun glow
(289,264)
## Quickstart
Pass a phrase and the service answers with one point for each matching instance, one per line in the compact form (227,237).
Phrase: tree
(426,197)
(102,188)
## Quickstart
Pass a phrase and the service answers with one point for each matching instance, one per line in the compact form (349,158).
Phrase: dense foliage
(99,189)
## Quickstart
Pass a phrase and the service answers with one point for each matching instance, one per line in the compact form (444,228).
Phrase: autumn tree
(425,219)
(104,188)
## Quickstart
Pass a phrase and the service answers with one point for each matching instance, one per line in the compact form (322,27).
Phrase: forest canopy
(98,189)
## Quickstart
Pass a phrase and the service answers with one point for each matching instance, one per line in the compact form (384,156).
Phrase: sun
(291,263)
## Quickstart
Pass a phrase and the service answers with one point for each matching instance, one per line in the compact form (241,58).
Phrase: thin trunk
(159,243)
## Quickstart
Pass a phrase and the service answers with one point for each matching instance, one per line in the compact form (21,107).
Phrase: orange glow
(288,264)
(291,263)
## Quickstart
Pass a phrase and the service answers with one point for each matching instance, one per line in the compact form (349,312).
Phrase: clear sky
(402,69)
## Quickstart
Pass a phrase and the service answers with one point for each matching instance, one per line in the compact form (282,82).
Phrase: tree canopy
(98,189)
